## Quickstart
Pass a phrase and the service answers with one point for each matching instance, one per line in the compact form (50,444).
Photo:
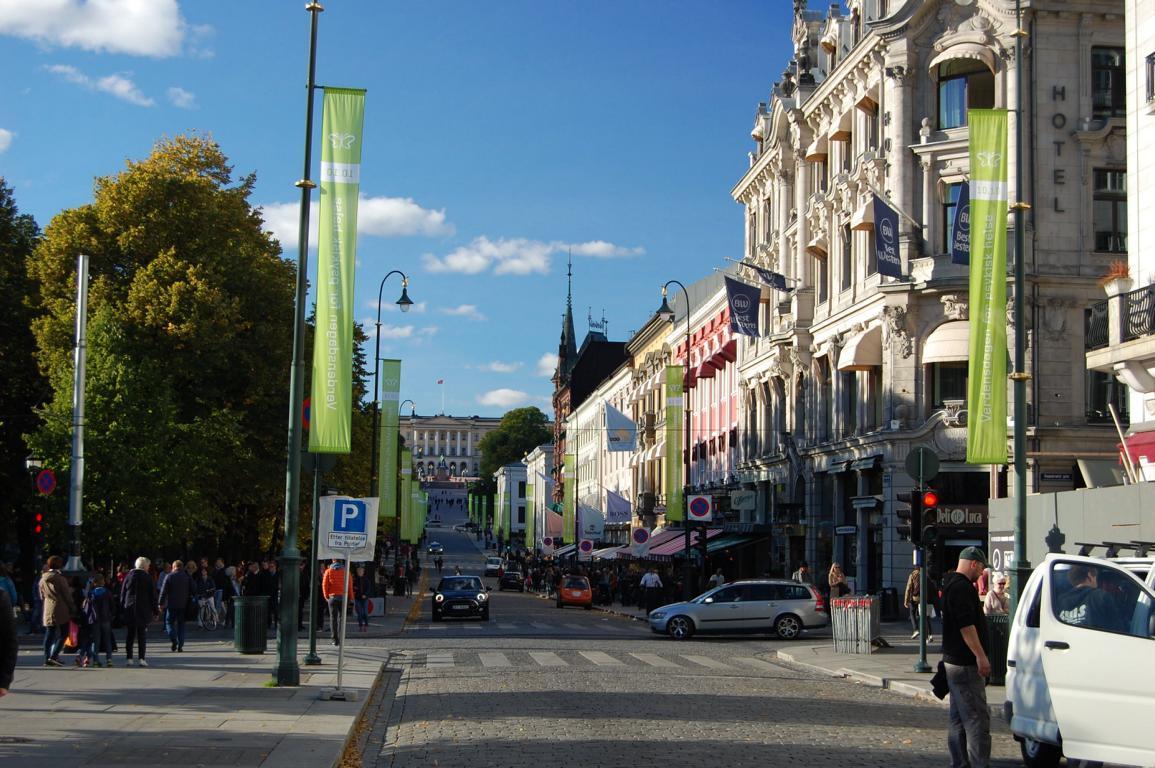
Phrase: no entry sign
(701,508)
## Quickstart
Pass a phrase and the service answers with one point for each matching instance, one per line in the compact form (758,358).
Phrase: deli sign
(961,516)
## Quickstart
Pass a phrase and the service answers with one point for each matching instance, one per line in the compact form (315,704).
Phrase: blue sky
(499,135)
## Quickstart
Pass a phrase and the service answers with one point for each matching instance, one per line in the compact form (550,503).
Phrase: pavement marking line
(765,666)
(654,660)
(439,659)
(547,659)
(706,661)
(507,626)
(602,659)
(493,659)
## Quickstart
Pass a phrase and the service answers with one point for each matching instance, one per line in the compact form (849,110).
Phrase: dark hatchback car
(511,580)
(461,597)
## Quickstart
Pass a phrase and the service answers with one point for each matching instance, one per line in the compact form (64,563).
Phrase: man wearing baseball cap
(964,654)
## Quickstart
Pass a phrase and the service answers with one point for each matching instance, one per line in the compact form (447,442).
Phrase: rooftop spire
(567,350)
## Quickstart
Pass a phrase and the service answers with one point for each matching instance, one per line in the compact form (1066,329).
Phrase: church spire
(567,349)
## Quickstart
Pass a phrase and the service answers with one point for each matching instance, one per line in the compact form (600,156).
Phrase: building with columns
(858,368)
(456,439)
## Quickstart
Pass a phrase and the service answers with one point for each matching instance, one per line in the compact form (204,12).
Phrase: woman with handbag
(56,596)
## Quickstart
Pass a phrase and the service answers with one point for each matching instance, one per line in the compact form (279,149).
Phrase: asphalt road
(541,686)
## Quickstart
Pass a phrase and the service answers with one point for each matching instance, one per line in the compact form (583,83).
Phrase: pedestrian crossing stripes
(505,659)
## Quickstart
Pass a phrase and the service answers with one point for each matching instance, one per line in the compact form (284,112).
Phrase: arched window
(963,84)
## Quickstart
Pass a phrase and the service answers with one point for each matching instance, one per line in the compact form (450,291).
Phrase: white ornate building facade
(858,368)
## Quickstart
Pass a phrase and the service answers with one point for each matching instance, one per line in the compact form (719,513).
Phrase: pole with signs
(921,464)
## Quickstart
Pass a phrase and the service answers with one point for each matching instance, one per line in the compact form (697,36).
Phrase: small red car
(575,590)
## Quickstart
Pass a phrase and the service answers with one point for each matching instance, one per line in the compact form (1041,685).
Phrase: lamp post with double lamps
(404,303)
(666,313)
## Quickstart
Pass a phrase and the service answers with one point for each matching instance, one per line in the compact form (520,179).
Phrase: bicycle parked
(207,616)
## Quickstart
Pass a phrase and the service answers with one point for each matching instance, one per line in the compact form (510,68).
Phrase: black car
(511,580)
(461,596)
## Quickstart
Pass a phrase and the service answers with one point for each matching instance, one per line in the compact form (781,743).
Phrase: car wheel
(1039,754)
(680,627)
(788,627)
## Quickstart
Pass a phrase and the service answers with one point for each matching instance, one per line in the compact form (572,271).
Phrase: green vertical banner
(404,518)
(330,427)
(387,436)
(530,514)
(987,367)
(675,443)
(569,497)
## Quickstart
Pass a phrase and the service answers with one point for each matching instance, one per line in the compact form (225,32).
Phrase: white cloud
(499,367)
(517,256)
(376,216)
(117,85)
(6,139)
(429,330)
(464,310)
(396,331)
(547,365)
(503,398)
(136,27)
(181,98)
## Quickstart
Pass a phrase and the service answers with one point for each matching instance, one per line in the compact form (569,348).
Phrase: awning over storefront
(565,551)
(863,352)
(677,544)
(706,370)
(975,51)
(949,343)
(729,541)
(607,553)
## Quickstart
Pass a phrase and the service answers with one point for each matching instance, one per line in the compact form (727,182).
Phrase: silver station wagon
(784,608)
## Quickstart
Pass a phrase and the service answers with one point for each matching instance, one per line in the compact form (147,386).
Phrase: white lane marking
(493,659)
(601,658)
(439,659)
(654,660)
(765,666)
(706,661)
(547,659)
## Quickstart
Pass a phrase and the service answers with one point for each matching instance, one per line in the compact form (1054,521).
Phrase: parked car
(493,565)
(435,548)
(784,608)
(575,590)
(1079,680)
(511,579)
(461,597)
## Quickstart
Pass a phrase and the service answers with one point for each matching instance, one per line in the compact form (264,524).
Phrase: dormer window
(963,84)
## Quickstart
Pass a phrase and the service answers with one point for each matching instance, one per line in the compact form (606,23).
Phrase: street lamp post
(404,303)
(666,313)
(287,671)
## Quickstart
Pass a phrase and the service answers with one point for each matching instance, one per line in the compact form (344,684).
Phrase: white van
(1080,672)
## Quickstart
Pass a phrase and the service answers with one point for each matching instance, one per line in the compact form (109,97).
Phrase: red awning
(730,350)
(706,370)
(1140,444)
(674,546)
(690,379)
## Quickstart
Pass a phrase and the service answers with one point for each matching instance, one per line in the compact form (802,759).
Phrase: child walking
(98,610)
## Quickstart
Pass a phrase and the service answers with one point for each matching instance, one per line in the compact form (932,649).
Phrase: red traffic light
(930,499)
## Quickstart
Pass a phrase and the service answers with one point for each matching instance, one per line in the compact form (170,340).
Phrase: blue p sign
(349,516)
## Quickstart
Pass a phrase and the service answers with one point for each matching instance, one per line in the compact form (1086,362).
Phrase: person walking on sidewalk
(333,588)
(56,596)
(138,603)
(652,584)
(964,655)
(174,598)
(98,611)
(8,643)
(362,590)
(910,599)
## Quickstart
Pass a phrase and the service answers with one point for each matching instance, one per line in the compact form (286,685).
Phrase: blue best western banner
(886,239)
(987,367)
(743,300)
(332,397)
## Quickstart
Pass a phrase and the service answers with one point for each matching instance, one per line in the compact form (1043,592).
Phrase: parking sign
(348,528)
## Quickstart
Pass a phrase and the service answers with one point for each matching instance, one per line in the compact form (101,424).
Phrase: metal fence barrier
(857,623)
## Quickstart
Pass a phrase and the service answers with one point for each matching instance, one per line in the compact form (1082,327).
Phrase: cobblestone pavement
(538,686)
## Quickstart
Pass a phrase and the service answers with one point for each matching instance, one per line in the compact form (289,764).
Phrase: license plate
(575,593)
(459,607)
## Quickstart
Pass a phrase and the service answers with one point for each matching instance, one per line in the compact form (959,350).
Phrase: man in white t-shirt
(717,579)
(652,584)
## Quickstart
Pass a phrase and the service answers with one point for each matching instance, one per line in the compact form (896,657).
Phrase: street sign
(743,501)
(845,530)
(701,508)
(922,464)
(547,543)
(46,482)
(640,542)
(347,528)
(585,550)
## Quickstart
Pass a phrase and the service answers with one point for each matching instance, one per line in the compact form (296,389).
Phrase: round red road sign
(46,481)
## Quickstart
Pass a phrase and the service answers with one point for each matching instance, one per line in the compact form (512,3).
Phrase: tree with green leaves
(22,388)
(520,431)
(189,346)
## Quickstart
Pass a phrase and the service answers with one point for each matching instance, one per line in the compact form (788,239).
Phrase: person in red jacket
(333,589)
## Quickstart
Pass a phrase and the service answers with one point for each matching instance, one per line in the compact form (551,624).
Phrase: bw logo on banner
(743,300)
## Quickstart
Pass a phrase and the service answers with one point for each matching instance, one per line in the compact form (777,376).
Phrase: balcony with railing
(1119,337)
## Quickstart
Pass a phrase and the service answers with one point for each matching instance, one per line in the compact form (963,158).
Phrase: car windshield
(576,582)
(459,584)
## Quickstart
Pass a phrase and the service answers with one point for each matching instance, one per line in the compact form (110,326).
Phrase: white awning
(863,218)
(949,343)
(975,51)
(863,352)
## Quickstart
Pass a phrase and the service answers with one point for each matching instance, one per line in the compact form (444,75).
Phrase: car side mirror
(708,600)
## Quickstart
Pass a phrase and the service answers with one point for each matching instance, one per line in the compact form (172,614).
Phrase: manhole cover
(14,740)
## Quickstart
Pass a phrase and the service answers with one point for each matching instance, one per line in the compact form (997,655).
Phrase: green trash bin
(998,635)
(250,625)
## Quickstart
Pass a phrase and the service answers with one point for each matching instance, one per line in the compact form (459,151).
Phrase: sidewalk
(890,668)
(206,706)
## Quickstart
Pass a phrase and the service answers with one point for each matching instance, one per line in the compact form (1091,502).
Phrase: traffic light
(38,524)
(929,499)
(909,519)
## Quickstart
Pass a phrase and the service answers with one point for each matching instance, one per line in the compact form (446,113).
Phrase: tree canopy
(189,346)
(520,431)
